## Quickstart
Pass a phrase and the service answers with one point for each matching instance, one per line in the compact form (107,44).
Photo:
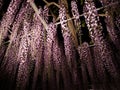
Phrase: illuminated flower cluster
(23,72)
(22,56)
(37,34)
(66,34)
(57,54)
(39,47)
(15,49)
(63,20)
(49,74)
(8,18)
(91,17)
(49,44)
(68,44)
(100,69)
(95,29)
(75,13)
(46,13)
(69,47)
(51,32)
(87,61)
(113,32)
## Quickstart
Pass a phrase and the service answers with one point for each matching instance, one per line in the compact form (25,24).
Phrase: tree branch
(51,3)
(37,12)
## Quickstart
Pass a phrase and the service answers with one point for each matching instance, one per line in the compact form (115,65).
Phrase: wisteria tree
(59,45)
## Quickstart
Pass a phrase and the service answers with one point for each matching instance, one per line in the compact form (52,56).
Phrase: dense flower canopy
(59,44)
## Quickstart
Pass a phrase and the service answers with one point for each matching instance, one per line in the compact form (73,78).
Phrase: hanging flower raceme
(36,34)
(16,32)
(110,25)
(46,13)
(11,55)
(91,18)
(37,46)
(95,29)
(8,19)
(77,22)
(87,60)
(69,47)
(113,32)
(57,55)
(63,19)
(12,50)
(100,70)
(66,34)
(48,73)
(75,13)
(22,56)
(24,60)
(52,37)
(57,61)
(23,72)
